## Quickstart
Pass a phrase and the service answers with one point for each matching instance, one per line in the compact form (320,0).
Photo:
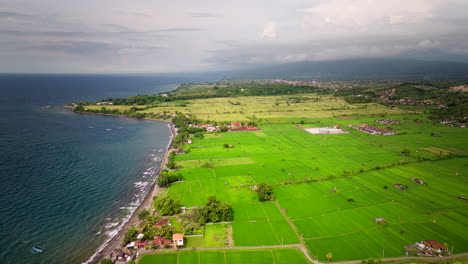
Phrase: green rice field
(328,188)
(267,256)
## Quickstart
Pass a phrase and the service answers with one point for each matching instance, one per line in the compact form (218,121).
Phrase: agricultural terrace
(266,256)
(330,188)
(267,109)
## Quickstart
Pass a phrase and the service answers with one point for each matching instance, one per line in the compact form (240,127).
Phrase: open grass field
(267,256)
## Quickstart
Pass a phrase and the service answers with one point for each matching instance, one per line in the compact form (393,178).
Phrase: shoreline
(115,241)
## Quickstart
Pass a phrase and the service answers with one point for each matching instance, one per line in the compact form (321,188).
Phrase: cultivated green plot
(235,256)
(213,236)
(332,187)
(388,241)
(263,233)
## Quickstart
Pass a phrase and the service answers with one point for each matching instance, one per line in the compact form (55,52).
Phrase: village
(142,244)
(429,248)
(373,130)
(235,127)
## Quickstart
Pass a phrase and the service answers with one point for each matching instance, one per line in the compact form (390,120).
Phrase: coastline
(113,242)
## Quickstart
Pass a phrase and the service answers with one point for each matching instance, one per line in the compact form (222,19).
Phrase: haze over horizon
(158,36)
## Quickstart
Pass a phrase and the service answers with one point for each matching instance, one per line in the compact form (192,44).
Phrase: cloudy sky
(112,36)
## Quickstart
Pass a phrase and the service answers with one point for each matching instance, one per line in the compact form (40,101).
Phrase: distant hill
(359,69)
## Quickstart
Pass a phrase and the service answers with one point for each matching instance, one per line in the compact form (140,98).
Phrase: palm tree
(329,256)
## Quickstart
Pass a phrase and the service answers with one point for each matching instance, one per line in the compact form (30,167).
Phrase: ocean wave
(144,189)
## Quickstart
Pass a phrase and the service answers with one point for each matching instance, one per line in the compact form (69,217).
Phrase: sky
(145,36)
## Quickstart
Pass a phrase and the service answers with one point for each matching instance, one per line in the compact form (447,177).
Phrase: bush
(223,128)
(265,192)
(107,261)
(130,236)
(143,214)
(199,135)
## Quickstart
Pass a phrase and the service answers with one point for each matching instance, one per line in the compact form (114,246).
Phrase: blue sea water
(67,180)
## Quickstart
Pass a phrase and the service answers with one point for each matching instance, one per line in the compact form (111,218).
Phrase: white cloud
(269,31)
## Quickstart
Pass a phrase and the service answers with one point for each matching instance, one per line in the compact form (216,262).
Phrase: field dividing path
(302,246)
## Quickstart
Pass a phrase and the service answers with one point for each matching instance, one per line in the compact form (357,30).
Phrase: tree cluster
(165,178)
(214,211)
(166,205)
(265,192)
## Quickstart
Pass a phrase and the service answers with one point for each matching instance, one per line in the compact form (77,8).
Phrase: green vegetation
(130,236)
(213,236)
(265,192)
(278,256)
(214,211)
(143,215)
(166,205)
(328,188)
(165,178)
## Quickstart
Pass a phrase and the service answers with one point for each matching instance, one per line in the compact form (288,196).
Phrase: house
(161,222)
(400,186)
(140,244)
(416,180)
(428,248)
(131,245)
(235,125)
(161,241)
(336,126)
(178,239)
(380,220)
(122,256)
(211,129)
(434,245)
(140,236)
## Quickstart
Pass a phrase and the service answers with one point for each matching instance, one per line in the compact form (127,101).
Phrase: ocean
(68,180)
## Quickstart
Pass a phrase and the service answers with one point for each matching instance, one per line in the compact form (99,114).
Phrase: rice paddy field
(328,188)
(305,168)
(271,109)
(267,256)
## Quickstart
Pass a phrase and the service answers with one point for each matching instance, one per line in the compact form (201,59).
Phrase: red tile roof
(177,236)
(161,241)
(162,222)
(434,244)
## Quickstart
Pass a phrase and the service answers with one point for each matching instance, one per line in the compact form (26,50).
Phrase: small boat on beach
(37,249)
